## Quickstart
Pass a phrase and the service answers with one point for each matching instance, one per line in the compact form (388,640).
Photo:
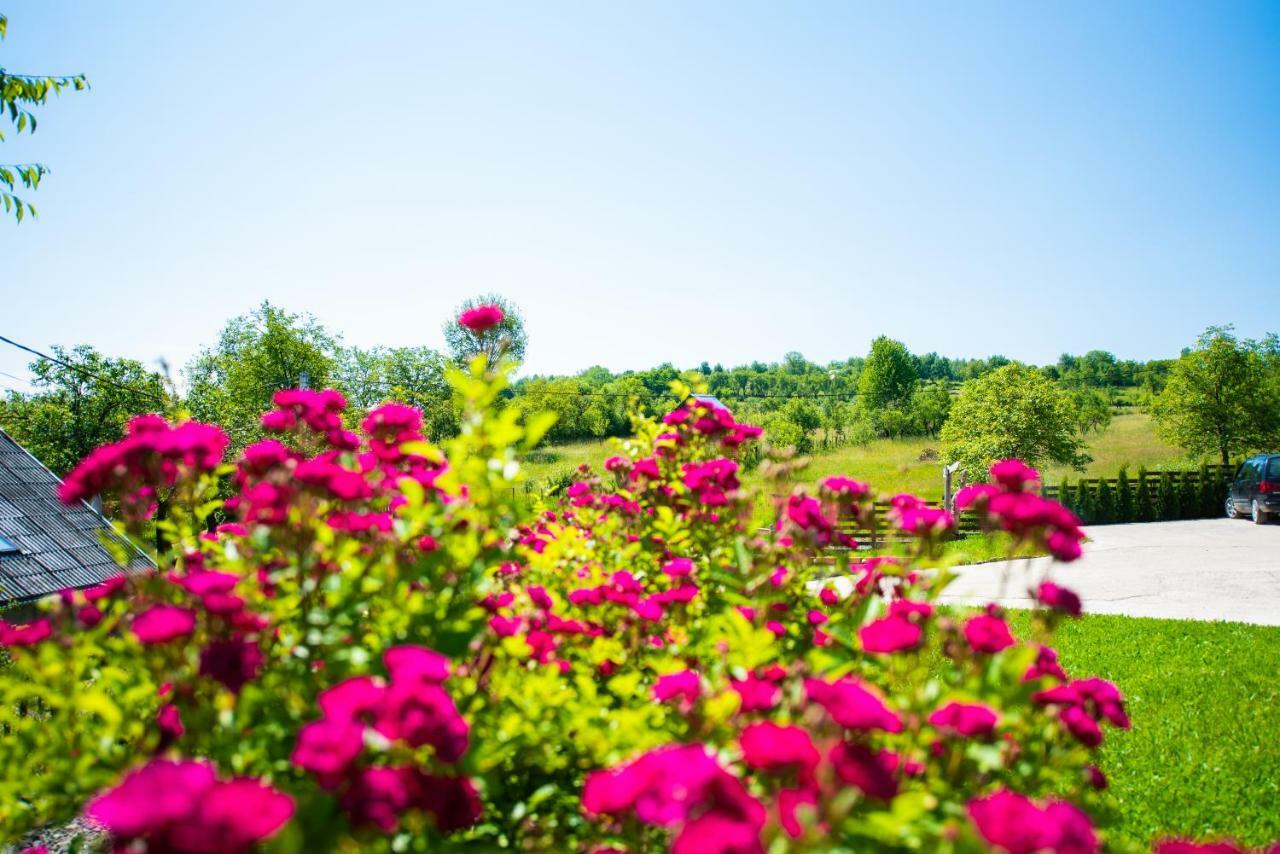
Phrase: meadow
(906,465)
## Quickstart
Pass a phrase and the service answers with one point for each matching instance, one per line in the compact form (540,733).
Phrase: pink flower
(416,663)
(890,634)
(327,747)
(988,634)
(1059,599)
(163,623)
(421,713)
(378,796)
(680,785)
(1065,545)
(852,705)
(681,567)
(874,774)
(973,720)
(1015,824)
(181,807)
(1014,475)
(26,635)
(683,684)
(790,803)
(1045,665)
(481,318)
(234,662)
(755,694)
(772,747)
(356,699)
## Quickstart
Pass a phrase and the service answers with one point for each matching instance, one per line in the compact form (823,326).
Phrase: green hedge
(1146,497)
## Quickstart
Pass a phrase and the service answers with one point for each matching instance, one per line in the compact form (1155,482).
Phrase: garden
(357,639)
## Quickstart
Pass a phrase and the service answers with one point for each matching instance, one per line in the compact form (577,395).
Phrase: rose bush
(381,647)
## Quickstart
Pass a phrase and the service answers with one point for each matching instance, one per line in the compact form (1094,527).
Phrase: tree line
(1221,397)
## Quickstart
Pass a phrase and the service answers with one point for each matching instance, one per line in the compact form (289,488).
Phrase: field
(895,465)
(1202,758)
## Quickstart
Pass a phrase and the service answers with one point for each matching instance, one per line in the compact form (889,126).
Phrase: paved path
(1208,569)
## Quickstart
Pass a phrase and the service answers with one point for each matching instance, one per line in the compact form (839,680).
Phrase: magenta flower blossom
(1045,665)
(890,634)
(327,747)
(790,804)
(680,567)
(680,786)
(1059,599)
(972,720)
(684,685)
(354,700)
(182,807)
(776,748)
(755,694)
(1017,825)
(163,623)
(25,635)
(853,705)
(987,634)
(481,318)
(416,663)
(1014,475)
(873,773)
(234,663)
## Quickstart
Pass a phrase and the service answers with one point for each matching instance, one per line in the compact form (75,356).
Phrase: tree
(1124,497)
(18,94)
(930,405)
(888,376)
(507,339)
(412,375)
(79,405)
(258,354)
(1013,411)
(1143,510)
(1093,408)
(1222,397)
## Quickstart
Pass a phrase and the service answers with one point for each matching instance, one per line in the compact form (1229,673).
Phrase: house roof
(57,547)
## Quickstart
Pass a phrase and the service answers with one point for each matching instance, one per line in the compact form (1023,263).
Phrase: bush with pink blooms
(375,645)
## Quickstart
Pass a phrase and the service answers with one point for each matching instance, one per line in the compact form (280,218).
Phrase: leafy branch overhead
(19,94)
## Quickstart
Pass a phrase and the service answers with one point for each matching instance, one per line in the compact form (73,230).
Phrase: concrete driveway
(1207,569)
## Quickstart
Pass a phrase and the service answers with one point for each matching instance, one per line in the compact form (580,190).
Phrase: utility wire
(85,372)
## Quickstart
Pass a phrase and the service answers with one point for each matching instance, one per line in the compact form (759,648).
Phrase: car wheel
(1259,515)
(1232,511)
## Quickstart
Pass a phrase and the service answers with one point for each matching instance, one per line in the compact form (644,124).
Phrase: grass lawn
(1203,757)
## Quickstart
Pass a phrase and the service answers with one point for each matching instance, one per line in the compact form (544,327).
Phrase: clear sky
(658,181)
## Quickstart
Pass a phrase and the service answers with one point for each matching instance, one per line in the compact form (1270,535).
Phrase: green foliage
(507,340)
(1124,497)
(258,354)
(1013,411)
(552,687)
(1093,410)
(412,375)
(1223,397)
(1168,505)
(19,94)
(76,409)
(930,406)
(888,377)
(1106,508)
(1143,502)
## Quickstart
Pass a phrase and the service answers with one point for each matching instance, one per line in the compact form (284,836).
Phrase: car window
(1273,469)
(1242,471)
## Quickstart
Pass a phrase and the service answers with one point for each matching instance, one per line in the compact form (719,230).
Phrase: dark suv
(1256,489)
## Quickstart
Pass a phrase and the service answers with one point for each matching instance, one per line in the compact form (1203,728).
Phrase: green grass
(1203,757)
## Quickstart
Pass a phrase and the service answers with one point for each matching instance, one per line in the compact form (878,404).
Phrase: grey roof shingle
(60,547)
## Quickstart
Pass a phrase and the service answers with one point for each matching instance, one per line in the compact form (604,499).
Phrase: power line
(85,372)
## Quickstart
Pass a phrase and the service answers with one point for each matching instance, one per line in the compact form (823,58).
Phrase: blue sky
(653,181)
